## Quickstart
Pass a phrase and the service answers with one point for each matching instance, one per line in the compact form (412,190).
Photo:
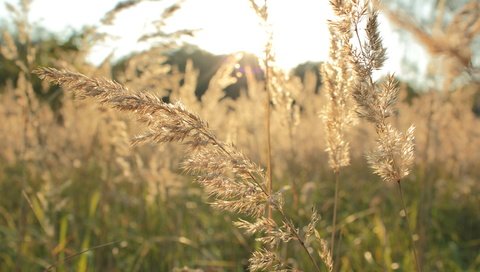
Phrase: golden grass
(221,155)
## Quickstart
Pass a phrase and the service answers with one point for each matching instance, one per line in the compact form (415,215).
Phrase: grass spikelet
(236,184)
(338,114)
(393,155)
(173,123)
(265,260)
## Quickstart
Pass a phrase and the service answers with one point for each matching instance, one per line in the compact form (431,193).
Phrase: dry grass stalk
(23,55)
(262,13)
(279,91)
(157,37)
(450,41)
(338,115)
(110,16)
(394,153)
(235,183)
(173,123)
(454,41)
(393,156)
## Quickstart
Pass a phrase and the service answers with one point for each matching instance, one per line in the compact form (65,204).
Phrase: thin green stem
(299,239)
(414,251)
(78,254)
(336,265)
(334,220)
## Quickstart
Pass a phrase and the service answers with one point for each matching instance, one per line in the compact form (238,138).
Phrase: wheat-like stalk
(338,114)
(236,184)
(394,152)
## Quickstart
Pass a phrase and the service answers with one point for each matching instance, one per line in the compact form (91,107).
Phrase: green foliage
(183,230)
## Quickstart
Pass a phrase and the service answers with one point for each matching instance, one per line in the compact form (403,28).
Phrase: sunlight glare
(300,31)
(225,27)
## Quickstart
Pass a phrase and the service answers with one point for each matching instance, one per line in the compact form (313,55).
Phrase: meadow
(130,169)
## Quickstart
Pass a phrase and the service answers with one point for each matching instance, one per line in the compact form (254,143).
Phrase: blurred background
(71,181)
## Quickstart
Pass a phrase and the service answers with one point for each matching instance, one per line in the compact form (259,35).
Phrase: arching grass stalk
(234,182)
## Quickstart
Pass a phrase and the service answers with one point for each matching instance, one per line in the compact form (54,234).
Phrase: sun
(234,28)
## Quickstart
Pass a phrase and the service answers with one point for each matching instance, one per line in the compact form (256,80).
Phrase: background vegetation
(71,181)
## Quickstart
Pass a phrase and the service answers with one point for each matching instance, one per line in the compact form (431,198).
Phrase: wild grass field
(146,164)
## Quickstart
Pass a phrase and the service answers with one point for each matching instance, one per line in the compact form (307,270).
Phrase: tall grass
(93,201)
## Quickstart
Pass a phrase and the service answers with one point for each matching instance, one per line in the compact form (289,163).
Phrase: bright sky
(226,26)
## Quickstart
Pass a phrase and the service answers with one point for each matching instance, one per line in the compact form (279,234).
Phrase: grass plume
(235,183)
(393,156)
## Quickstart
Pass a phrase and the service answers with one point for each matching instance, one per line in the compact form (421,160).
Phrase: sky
(224,26)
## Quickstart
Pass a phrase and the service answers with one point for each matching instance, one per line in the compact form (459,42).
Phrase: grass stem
(334,220)
(414,251)
(78,254)
(268,112)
